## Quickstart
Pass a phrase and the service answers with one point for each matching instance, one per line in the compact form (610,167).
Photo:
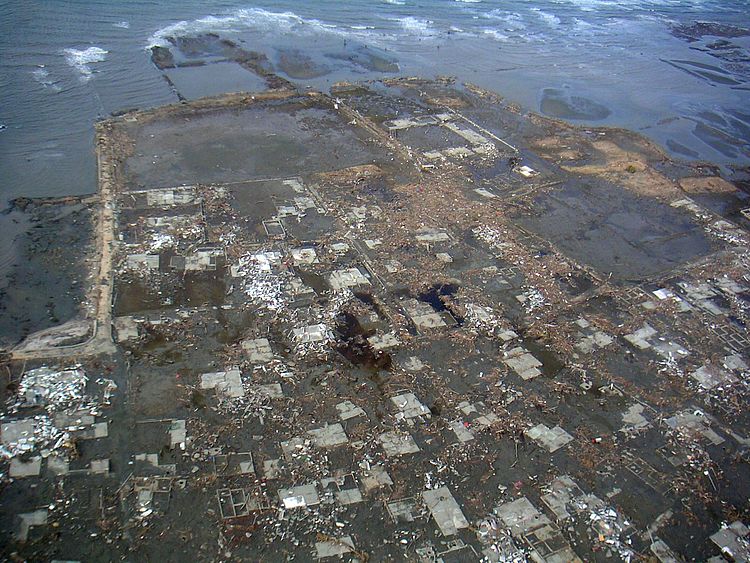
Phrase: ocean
(678,71)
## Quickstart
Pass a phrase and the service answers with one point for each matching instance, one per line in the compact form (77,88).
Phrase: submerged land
(402,320)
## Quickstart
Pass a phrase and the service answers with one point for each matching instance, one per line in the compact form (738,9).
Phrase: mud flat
(399,321)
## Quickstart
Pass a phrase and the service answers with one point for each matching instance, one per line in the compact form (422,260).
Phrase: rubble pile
(66,410)
(263,286)
(55,390)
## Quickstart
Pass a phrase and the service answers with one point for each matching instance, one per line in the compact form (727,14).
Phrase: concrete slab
(328,436)
(348,410)
(523,363)
(126,328)
(445,511)
(18,431)
(302,256)
(412,363)
(346,278)
(271,468)
(258,350)
(398,443)
(383,341)
(375,477)
(299,497)
(521,516)
(270,390)
(20,469)
(422,315)
(640,338)
(227,383)
(177,433)
(348,496)
(142,262)
(409,406)
(733,542)
(428,234)
(334,547)
(633,419)
(28,521)
(694,421)
(710,376)
(101,467)
(551,438)
(461,431)
(312,333)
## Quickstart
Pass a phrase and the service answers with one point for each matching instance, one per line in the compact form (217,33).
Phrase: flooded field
(245,144)
(403,321)
(46,263)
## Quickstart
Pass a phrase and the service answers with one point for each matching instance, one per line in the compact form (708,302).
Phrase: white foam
(513,20)
(395,2)
(495,34)
(41,75)
(415,26)
(82,59)
(550,19)
(256,19)
(122,25)
(468,1)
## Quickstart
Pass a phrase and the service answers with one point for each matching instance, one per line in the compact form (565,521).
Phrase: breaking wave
(550,19)
(512,21)
(82,59)
(495,34)
(416,26)
(256,19)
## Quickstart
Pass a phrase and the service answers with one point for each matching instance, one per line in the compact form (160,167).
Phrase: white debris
(260,283)
(53,389)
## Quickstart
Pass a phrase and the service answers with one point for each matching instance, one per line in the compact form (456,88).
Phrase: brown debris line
(488,95)
(352,176)
(445,101)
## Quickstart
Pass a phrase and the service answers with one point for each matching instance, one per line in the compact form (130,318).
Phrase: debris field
(400,321)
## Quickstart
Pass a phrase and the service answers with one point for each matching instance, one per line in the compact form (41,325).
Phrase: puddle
(353,344)
(438,297)
(313,280)
(551,363)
